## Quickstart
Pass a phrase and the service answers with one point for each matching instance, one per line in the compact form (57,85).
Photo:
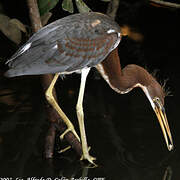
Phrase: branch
(112,8)
(164,3)
(53,117)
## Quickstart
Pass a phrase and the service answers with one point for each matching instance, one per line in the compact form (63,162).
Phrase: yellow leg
(52,101)
(80,115)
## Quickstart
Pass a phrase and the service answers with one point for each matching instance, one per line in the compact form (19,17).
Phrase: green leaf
(9,29)
(46,5)
(82,7)
(18,24)
(67,5)
(45,18)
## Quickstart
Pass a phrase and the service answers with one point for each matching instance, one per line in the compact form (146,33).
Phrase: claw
(89,158)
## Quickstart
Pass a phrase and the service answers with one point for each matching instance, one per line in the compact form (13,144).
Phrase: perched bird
(75,44)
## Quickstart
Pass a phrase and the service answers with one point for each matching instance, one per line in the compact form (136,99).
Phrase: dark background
(122,130)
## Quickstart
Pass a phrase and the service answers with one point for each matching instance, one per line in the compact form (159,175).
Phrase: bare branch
(112,8)
(165,3)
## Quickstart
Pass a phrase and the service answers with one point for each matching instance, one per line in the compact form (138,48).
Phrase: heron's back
(66,45)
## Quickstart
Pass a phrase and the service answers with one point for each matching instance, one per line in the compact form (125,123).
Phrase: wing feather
(66,45)
(82,51)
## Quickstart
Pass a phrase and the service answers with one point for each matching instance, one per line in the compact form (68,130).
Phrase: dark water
(122,130)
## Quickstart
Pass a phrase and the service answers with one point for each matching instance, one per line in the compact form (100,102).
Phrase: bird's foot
(72,130)
(89,158)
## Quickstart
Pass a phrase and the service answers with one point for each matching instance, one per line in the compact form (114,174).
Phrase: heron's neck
(122,81)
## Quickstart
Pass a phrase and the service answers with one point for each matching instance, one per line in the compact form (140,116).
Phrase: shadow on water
(123,131)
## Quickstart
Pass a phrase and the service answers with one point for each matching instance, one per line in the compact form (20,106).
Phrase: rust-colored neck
(112,65)
(122,81)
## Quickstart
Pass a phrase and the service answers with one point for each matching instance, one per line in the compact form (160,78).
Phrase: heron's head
(156,95)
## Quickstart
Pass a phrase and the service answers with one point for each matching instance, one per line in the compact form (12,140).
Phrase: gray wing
(65,47)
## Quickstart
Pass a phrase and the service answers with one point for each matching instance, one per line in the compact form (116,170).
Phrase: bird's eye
(157,100)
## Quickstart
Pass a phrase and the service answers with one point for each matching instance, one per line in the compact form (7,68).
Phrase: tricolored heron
(75,44)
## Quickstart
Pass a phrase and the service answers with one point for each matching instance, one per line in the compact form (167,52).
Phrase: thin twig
(45,81)
(165,3)
(112,8)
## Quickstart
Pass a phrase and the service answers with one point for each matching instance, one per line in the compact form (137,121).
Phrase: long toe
(90,159)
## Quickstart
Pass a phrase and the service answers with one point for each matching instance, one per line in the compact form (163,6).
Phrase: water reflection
(168,173)
(120,135)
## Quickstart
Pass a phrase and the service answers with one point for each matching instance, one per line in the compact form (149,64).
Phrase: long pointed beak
(161,115)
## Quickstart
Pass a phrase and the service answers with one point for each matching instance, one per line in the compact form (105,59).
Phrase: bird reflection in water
(71,169)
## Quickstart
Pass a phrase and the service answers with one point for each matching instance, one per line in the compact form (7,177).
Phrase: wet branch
(56,121)
(165,3)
